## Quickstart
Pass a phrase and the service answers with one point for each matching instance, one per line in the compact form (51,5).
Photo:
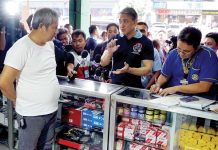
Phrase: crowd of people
(127,56)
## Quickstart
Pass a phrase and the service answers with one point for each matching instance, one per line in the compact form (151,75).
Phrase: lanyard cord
(186,66)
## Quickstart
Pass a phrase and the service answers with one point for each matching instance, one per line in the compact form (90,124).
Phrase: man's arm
(142,71)
(201,87)
(108,53)
(7,79)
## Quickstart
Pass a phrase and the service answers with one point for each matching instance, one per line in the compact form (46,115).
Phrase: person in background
(112,30)
(69,30)
(63,36)
(188,67)
(211,40)
(156,45)
(91,42)
(143,28)
(31,63)
(78,45)
(150,79)
(127,51)
(104,36)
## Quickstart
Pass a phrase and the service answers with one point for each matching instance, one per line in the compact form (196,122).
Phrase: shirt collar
(137,35)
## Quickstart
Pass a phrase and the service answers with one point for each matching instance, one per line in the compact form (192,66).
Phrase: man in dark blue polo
(128,51)
(190,68)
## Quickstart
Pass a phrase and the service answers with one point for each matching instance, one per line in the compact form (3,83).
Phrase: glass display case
(138,124)
(195,129)
(84,114)
(140,120)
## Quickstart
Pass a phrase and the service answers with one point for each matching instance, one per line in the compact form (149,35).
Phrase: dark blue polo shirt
(132,51)
(204,68)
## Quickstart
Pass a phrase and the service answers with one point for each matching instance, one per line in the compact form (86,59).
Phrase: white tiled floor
(3,147)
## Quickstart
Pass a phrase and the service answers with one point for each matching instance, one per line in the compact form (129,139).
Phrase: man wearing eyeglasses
(190,68)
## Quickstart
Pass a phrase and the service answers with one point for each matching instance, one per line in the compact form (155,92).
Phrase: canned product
(163,112)
(135,109)
(156,112)
(142,111)
(120,110)
(149,117)
(134,114)
(126,111)
(149,112)
(156,116)
(141,115)
(163,117)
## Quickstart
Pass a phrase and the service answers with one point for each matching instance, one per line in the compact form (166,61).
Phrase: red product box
(151,135)
(162,137)
(70,144)
(129,132)
(134,121)
(74,116)
(120,129)
(135,146)
(119,145)
(125,119)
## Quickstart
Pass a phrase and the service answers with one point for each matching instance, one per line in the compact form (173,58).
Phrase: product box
(151,135)
(74,116)
(162,137)
(135,146)
(129,132)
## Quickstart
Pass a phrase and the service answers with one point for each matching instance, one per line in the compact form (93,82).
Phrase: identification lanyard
(186,67)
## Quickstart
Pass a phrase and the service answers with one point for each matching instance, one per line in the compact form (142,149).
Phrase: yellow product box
(214,139)
(201,129)
(196,135)
(193,127)
(205,148)
(187,147)
(202,142)
(185,125)
(206,137)
(211,145)
(211,131)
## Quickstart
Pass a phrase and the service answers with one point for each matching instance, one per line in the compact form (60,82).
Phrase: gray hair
(46,16)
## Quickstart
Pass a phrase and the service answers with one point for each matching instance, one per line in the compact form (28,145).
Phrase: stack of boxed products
(141,128)
(197,137)
(84,122)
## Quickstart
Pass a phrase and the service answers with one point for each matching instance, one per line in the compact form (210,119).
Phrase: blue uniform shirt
(132,51)
(204,68)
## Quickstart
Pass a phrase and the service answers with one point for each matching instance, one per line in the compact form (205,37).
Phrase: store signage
(210,12)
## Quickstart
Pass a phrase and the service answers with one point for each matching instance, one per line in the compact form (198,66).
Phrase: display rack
(89,89)
(179,121)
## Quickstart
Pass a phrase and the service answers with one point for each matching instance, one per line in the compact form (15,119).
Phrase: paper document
(170,100)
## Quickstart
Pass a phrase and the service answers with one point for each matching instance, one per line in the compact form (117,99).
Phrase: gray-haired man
(31,62)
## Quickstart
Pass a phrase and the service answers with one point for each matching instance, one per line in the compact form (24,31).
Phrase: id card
(184,82)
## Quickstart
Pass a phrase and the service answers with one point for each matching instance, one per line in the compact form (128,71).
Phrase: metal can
(126,111)
(149,117)
(134,114)
(120,110)
(149,112)
(141,115)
